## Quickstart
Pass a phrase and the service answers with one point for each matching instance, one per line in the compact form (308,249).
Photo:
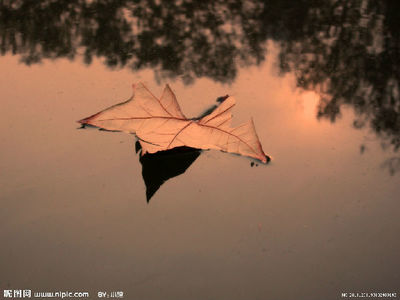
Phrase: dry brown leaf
(160,125)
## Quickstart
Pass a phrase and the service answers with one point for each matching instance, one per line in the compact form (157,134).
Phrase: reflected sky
(321,218)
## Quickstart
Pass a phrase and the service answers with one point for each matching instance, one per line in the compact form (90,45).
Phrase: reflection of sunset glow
(309,102)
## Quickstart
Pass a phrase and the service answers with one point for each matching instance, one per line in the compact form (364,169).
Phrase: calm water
(321,219)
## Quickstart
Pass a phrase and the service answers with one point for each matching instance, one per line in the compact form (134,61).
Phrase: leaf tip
(83,121)
(222,98)
(87,121)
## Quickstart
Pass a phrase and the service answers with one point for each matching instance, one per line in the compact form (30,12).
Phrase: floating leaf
(160,125)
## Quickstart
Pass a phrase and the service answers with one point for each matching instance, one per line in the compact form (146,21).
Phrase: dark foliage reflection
(176,38)
(350,52)
(347,50)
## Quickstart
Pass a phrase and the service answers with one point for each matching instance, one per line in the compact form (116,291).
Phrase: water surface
(320,219)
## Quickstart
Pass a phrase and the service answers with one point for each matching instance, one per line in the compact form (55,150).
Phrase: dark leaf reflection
(349,51)
(163,165)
